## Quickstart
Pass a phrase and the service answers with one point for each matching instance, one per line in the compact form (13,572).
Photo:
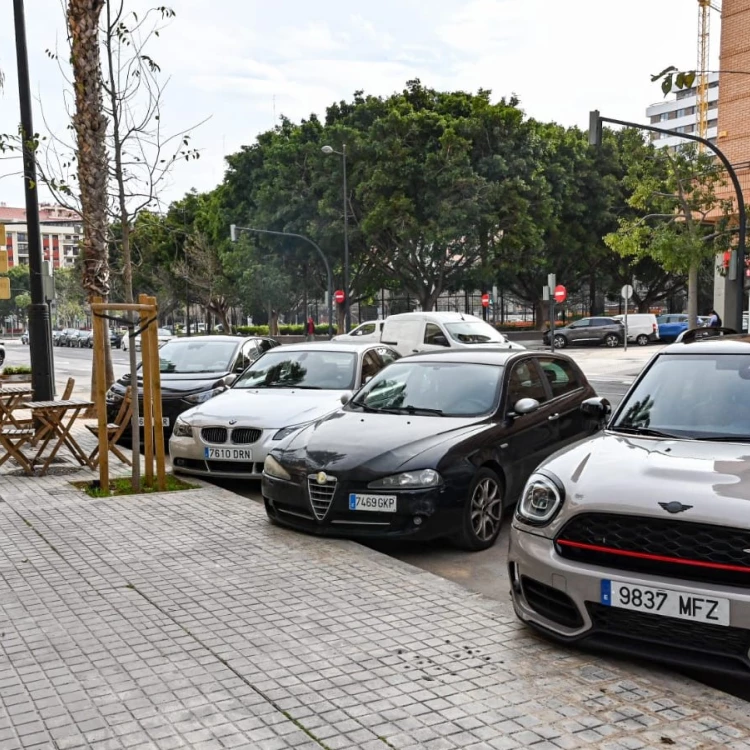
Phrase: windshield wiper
(281,385)
(647,431)
(725,438)
(365,407)
(417,409)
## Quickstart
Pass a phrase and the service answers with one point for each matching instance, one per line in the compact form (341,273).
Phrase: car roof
(217,337)
(479,356)
(729,344)
(445,315)
(334,346)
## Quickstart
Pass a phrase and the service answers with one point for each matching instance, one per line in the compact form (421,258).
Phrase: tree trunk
(90,126)
(340,319)
(541,312)
(693,296)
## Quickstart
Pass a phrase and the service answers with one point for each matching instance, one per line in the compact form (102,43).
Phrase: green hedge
(284,330)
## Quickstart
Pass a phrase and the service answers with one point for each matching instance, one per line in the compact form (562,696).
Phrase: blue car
(672,325)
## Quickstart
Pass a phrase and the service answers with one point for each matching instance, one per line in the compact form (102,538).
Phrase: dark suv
(596,331)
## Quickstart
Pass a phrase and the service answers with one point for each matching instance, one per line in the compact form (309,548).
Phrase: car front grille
(551,603)
(670,631)
(321,495)
(214,434)
(658,546)
(245,435)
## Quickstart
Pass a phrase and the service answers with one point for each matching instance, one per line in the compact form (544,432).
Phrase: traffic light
(595,128)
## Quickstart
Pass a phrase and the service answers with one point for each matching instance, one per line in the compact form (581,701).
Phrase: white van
(643,328)
(411,333)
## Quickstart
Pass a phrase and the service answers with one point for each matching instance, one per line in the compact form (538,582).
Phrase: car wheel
(641,340)
(483,512)
(560,342)
(611,340)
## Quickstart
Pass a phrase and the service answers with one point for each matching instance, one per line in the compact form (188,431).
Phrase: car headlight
(113,396)
(199,398)
(287,431)
(274,469)
(408,480)
(541,500)
(182,429)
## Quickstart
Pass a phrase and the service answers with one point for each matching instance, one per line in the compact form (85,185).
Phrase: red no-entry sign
(485,300)
(561,293)
(339,296)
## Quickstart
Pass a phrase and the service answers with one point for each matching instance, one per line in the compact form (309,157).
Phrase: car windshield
(474,332)
(312,369)
(164,332)
(432,388)
(700,396)
(195,355)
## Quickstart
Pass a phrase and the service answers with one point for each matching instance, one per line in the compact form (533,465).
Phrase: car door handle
(553,417)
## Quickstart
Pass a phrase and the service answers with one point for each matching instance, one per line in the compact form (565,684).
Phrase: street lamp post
(233,229)
(347,307)
(40,337)
(595,139)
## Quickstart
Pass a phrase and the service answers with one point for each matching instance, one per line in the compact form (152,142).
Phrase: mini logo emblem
(322,477)
(232,421)
(675,507)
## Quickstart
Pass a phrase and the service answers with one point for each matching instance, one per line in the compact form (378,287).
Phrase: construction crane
(704,33)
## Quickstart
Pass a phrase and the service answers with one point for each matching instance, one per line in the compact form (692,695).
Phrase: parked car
(437,445)
(65,335)
(193,370)
(370,331)
(672,325)
(163,335)
(595,331)
(56,337)
(410,333)
(281,393)
(637,539)
(642,328)
(2,353)
(80,339)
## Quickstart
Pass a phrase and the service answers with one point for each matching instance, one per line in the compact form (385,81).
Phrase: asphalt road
(482,572)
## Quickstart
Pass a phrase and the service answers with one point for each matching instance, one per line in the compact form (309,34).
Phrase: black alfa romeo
(435,445)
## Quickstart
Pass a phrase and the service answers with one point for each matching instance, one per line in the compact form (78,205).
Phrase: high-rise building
(680,113)
(61,229)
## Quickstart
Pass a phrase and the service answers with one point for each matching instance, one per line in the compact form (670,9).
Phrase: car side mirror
(367,379)
(346,397)
(597,408)
(229,379)
(525,406)
(440,341)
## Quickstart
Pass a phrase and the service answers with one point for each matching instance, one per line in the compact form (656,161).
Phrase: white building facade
(681,113)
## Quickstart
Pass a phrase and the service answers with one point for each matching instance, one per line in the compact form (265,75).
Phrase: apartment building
(680,113)
(61,229)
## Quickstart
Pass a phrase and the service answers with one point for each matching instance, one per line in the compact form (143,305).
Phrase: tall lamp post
(233,229)
(40,337)
(595,139)
(347,307)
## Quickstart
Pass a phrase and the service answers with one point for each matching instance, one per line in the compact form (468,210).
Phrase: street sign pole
(627,293)
(551,284)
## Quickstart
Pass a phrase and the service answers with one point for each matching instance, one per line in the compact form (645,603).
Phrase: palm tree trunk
(90,126)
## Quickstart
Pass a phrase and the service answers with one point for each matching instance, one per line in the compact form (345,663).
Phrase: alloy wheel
(611,340)
(642,340)
(561,342)
(486,509)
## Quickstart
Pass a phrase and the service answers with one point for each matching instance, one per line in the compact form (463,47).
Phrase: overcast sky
(242,63)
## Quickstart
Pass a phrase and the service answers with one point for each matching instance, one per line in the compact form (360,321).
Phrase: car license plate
(380,503)
(228,454)
(666,602)
(164,421)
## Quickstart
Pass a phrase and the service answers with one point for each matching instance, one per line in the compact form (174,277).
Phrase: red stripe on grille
(655,558)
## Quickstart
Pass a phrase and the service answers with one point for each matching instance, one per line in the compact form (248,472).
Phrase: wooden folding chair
(114,432)
(12,439)
(68,392)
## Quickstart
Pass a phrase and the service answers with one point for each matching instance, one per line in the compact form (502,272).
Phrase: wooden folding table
(12,398)
(55,420)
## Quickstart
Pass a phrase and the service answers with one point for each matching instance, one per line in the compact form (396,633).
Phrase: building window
(21,237)
(664,116)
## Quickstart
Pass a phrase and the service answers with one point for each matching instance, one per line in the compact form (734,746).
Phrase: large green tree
(682,224)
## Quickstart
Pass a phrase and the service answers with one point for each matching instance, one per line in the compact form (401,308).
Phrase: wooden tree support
(153,429)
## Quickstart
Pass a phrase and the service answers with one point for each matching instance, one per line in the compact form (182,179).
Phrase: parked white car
(283,391)
(163,335)
(370,331)
(410,333)
(643,328)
